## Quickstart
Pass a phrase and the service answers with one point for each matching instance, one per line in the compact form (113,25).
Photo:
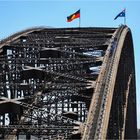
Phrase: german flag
(73,16)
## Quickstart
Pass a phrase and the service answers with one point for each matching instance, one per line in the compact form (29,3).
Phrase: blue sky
(19,15)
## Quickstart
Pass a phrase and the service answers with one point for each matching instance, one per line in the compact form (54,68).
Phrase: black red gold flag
(73,16)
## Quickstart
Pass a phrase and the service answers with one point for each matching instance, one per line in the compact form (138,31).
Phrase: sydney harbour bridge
(68,83)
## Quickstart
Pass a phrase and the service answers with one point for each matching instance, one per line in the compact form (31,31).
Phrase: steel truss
(49,80)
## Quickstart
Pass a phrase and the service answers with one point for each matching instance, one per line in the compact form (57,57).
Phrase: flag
(121,14)
(73,16)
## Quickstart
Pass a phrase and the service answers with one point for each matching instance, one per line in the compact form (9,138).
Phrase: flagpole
(125,17)
(80,19)
(124,20)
